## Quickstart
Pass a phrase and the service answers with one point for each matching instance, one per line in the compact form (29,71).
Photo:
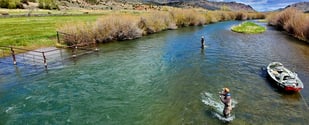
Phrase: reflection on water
(158,80)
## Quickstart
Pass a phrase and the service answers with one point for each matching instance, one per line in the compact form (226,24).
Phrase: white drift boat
(284,78)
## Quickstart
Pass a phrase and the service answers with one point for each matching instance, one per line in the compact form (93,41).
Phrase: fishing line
(304,101)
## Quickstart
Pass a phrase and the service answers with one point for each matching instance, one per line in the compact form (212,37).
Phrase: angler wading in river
(226,99)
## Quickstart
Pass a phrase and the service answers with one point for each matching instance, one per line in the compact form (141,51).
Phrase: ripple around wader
(216,106)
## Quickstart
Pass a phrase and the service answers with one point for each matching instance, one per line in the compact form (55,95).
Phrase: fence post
(44,58)
(74,51)
(13,55)
(96,47)
(58,39)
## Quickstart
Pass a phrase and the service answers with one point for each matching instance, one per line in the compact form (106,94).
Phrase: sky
(265,5)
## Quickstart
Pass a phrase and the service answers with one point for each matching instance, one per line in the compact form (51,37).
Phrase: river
(161,79)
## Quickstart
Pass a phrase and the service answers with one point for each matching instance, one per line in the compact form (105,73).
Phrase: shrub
(295,25)
(48,4)
(80,33)
(291,20)
(10,4)
(187,17)
(156,22)
(213,17)
(124,27)
(240,16)
(120,27)
(282,18)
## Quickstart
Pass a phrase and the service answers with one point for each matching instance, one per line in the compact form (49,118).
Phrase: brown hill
(231,6)
(125,4)
(302,6)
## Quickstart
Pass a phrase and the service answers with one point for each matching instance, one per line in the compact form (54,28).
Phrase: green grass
(18,12)
(248,27)
(35,32)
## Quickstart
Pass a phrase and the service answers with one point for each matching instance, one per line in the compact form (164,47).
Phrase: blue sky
(265,5)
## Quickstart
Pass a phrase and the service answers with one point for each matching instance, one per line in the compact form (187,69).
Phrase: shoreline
(40,31)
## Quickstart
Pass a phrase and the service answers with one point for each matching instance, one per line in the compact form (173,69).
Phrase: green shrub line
(14,4)
(292,21)
(248,27)
(117,27)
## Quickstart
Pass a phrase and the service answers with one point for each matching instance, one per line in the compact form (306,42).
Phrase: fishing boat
(285,79)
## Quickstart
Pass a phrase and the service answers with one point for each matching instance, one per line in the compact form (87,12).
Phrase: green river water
(162,79)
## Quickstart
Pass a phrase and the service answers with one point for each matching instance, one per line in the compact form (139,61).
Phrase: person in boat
(278,71)
(226,99)
(202,42)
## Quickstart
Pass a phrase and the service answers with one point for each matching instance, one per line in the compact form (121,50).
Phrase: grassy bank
(123,27)
(43,12)
(35,32)
(292,21)
(248,27)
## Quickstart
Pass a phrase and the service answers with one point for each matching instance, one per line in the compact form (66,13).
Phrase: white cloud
(270,7)
(257,2)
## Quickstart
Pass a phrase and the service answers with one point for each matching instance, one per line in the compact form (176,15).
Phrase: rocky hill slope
(302,6)
(124,4)
(230,6)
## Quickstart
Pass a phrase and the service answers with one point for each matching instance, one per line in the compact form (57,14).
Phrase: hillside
(302,6)
(230,6)
(124,4)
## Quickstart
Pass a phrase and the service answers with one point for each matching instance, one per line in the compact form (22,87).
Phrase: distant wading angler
(226,99)
(202,42)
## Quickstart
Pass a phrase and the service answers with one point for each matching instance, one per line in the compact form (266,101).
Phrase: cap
(226,89)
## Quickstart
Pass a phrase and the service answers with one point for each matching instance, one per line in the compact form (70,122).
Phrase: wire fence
(47,56)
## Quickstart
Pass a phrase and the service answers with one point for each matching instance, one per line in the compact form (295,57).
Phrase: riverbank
(123,27)
(292,21)
(36,32)
(248,27)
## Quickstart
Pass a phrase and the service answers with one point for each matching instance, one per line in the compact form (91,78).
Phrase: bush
(240,16)
(121,27)
(11,4)
(291,20)
(124,27)
(156,22)
(282,18)
(80,33)
(213,17)
(295,25)
(48,4)
(187,17)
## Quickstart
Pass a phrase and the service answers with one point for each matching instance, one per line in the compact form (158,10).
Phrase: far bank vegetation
(130,26)
(292,21)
